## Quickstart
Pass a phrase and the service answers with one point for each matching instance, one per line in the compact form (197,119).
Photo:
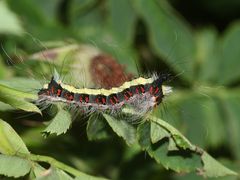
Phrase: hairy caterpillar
(118,88)
(141,94)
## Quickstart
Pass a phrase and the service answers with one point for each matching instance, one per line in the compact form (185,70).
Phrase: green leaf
(212,168)
(210,108)
(207,56)
(13,166)
(180,161)
(131,152)
(57,170)
(176,153)
(158,133)
(10,143)
(179,139)
(230,103)
(5,107)
(122,128)
(229,71)
(18,99)
(86,21)
(39,20)
(169,36)
(10,22)
(60,123)
(28,85)
(121,23)
(96,127)
(143,135)
(172,146)
(56,173)
(199,113)
(192,115)
(29,10)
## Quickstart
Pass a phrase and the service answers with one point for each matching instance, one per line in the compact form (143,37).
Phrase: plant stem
(54,163)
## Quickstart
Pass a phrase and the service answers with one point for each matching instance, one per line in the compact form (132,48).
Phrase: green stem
(54,163)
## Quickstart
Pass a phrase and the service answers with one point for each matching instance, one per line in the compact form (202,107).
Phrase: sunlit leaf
(11,22)
(158,133)
(172,146)
(179,139)
(5,107)
(10,142)
(212,168)
(27,85)
(13,166)
(18,99)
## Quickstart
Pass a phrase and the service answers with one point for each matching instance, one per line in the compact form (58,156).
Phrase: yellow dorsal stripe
(106,92)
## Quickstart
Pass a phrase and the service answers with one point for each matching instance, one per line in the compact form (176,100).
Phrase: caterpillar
(141,93)
(119,89)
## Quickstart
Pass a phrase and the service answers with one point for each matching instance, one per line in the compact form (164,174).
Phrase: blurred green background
(196,41)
